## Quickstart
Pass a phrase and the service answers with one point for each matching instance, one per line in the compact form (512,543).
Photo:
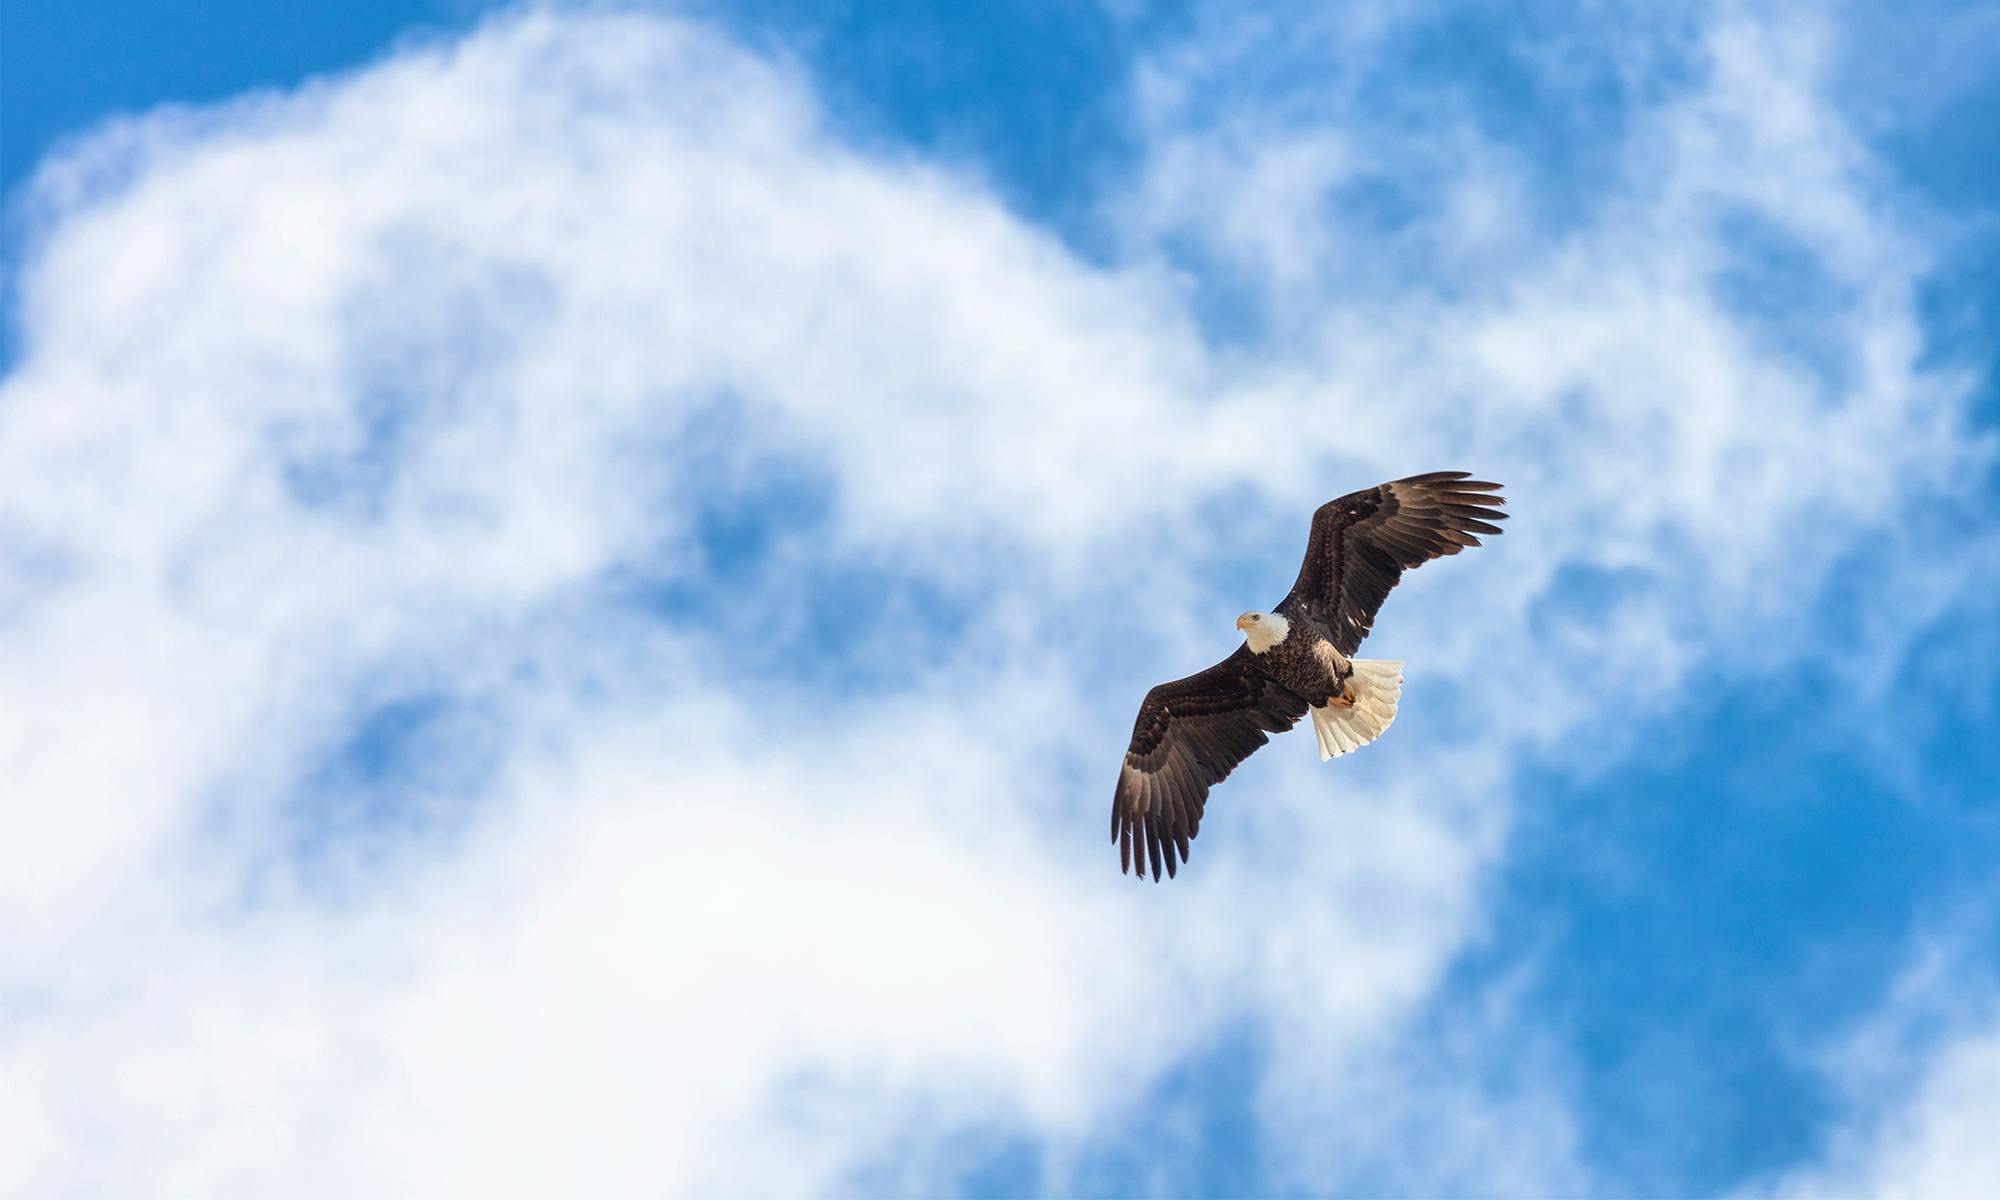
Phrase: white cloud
(407,384)
(1921,1084)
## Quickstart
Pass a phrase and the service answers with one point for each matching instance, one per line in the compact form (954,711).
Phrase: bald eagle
(1295,659)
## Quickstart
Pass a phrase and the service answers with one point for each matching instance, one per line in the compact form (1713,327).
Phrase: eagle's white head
(1263,630)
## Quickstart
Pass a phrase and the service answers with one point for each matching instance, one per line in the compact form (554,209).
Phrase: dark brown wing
(1361,545)
(1190,735)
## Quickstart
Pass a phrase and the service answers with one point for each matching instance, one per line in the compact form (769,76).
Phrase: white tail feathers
(1377,686)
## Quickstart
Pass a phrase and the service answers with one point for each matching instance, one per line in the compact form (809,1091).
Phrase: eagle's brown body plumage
(1307,661)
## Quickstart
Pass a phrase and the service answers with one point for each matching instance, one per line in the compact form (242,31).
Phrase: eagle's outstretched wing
(1362,543)
(1190,735)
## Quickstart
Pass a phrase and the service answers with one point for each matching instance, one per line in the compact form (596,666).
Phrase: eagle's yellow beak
(1243,622)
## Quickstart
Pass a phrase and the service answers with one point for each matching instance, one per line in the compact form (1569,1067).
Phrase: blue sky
(668,508)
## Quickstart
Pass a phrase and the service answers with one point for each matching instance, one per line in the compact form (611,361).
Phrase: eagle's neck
(1267,633)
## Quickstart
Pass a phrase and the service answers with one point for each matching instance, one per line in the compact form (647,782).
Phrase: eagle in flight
(1297,658)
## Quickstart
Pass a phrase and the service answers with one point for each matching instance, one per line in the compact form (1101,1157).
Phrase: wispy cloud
(1920,1084)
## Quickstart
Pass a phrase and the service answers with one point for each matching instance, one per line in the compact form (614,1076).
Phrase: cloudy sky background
(572,580)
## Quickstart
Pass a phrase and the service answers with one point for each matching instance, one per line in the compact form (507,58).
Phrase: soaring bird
(1296,658)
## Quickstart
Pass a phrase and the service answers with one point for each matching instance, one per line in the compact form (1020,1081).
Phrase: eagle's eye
(1254,618)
